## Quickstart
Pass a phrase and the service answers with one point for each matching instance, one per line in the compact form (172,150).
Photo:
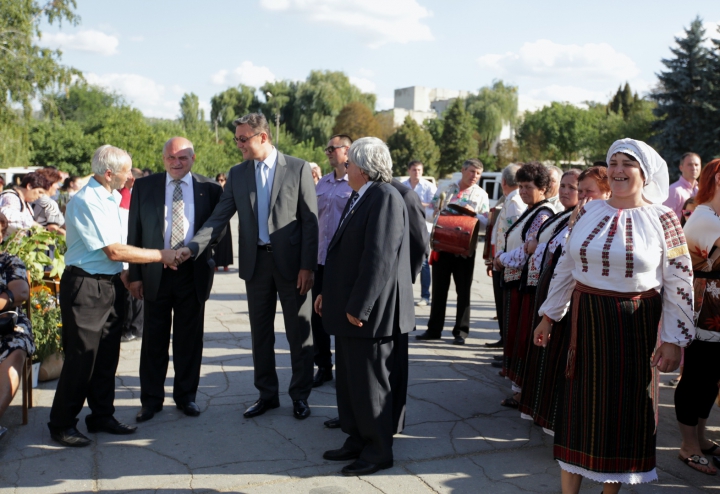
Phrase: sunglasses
(244,139)
(331,149)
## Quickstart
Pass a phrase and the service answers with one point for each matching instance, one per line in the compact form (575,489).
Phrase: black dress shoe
(301,409)
(332,423)
(496,344)
(362,467)
(127,337)
(261,406)
(497,364)
(190,408)
(498,357)
(146,413)
(69,437)
(322,375)
(109,425)
(427,335)
(341,454)
(459,340)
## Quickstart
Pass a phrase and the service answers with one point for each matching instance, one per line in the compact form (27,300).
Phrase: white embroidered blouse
(546,235)
(630,250)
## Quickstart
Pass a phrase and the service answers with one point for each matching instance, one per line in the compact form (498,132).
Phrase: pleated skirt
(523,330)
(512,301)
(606,428)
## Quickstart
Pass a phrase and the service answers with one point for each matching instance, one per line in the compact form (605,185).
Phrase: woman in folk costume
(621,255)
(537,250)
(698,388)
(533,180)
(543,383)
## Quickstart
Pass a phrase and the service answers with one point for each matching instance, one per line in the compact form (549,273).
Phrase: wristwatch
(11,296)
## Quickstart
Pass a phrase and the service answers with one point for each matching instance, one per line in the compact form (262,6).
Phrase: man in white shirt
(511,210)
(426,190)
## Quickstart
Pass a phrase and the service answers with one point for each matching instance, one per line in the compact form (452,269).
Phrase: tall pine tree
(682,97)
(457,143)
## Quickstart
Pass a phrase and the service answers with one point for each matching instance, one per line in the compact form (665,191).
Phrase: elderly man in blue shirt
(91,303)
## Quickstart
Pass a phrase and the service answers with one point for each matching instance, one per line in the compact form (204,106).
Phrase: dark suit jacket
(293,223)
(146,227)
(367,270)
(419,241)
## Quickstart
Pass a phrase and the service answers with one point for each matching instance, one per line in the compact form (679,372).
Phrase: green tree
(457,143)
(192,117)
(492,108)
(318,102)
(232,103)
(559,132)
(412,142)
(78,102)
(683,105)
(356,120)
(61,144)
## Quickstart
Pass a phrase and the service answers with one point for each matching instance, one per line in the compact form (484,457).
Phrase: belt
(76,271)
(266,247)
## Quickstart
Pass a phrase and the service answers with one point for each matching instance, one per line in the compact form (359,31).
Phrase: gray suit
(293,228)
(368,275)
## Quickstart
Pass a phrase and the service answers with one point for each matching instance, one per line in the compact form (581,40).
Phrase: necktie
(177,230)
(353,200)
(263,202)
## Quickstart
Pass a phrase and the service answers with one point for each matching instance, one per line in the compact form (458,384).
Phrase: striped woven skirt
(523,337)
(512,300)
(544,375)
(606,430)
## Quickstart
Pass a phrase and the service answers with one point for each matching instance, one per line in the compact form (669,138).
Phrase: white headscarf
(657,180)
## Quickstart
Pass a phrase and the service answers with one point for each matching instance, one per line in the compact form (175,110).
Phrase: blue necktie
(263,202)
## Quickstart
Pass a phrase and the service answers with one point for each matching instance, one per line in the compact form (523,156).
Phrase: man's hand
(666,358)
(318,305)
(354,320)
(136,289)
(183,254)
(125,278)
(305,281)
(541,336)
(489,270)
(168,258)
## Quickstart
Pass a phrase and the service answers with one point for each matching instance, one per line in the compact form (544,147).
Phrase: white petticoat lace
(623,478)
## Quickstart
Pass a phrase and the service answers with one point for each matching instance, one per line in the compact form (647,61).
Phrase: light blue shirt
(93,222)
(263,230)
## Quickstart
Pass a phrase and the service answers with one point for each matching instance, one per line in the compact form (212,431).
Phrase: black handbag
(8,321)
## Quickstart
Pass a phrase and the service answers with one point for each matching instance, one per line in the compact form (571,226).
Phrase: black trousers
(134,315)
(461,269)
(263,290)
(697,390)
(176,307)
(371,376)
(498,293)
(92,313)
(321,340)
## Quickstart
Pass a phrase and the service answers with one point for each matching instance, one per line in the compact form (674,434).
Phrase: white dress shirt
(186,185)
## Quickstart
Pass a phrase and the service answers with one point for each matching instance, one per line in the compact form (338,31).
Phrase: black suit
(368,275)
(419,241)
(181,293)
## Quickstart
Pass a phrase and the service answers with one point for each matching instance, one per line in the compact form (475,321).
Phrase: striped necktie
(177,230)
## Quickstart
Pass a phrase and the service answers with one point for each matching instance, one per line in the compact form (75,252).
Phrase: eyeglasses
(686,213)
(244,139)
(331,149)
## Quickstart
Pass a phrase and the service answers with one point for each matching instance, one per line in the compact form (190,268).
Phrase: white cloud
(148,96)
(535,99)
(384,103)
(546,59)
(88,41)
(378,21)
(365,85)
(137,39)
(247,73)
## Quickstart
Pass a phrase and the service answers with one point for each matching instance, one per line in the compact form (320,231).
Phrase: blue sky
(153,51)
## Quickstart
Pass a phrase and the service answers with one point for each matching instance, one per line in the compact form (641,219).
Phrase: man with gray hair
(367,303)
(91,304)
(552,195)
(274,197)
(512,208)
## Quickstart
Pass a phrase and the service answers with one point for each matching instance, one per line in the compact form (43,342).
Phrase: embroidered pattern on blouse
(684,295)
(674,236)
(606,247)
(629,246)
(684,330)
(678,265)
(586,243)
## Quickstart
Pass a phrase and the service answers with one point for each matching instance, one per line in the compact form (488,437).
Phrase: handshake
(174,258)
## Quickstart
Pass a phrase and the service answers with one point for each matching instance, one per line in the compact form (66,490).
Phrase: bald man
(168,209)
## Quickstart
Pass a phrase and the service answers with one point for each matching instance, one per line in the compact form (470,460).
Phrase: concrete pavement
(458,438)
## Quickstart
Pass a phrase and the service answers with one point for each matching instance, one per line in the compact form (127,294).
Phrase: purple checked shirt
(332,195)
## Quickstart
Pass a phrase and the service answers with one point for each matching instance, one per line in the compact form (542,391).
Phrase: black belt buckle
(266,247)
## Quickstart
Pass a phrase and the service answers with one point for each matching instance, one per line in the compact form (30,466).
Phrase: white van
(13,176)
(490,181)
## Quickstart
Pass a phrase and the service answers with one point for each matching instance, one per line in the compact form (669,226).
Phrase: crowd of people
(597,289)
